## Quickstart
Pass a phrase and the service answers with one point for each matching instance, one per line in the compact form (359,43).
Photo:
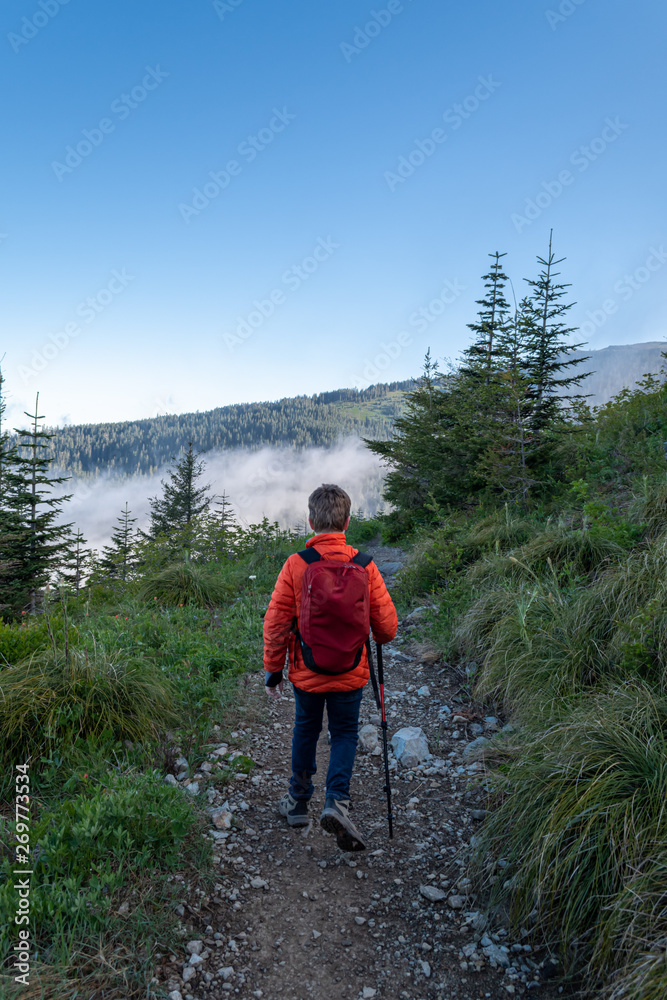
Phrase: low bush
(90,850)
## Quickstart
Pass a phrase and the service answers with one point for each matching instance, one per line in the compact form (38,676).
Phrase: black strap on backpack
(312,556)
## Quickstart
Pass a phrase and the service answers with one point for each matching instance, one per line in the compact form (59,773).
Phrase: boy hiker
(322,609)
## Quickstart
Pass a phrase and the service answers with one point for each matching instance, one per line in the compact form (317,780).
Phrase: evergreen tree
(506,462)
(7,447)
(29,498)
(481,356)
(118,558)
(551,371)
(181,503)
(225,525)
(75,562)
(436,444)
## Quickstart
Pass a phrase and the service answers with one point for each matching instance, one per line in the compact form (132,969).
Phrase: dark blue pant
(343,714)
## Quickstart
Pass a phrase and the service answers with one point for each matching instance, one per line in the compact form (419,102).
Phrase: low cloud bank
(271,482)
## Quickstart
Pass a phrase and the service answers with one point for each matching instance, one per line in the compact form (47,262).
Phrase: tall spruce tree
(551,371)
(480,357)
(30,499)
(118,558)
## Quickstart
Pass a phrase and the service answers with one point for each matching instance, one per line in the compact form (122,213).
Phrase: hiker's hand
(275,693)
(273,684)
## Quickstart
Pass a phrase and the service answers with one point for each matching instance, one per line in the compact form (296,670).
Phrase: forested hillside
(143,446)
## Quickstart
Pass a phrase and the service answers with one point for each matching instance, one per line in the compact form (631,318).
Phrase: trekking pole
(387,786)
(378,691)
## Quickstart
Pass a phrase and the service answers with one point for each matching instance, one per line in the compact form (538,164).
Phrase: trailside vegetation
(112,667)
(538,531)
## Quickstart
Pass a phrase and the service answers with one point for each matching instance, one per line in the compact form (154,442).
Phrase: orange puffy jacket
(286,604)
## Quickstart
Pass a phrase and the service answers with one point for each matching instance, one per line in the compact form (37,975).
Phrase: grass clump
(56,698)
(185,583)
(581,820)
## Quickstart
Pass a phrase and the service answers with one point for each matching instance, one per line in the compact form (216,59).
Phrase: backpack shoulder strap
(309,555)
(362,559)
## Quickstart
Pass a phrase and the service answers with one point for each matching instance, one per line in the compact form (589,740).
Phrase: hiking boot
(294,810)
(335,819)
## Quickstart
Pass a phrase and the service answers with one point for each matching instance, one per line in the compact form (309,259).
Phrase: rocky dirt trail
(292,917)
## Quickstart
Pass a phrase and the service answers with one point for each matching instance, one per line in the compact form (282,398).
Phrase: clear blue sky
(315,107)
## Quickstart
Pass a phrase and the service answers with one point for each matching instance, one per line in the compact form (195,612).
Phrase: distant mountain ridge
(144,446)
(619,366)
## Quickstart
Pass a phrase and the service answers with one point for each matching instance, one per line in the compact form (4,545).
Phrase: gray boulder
(410,746)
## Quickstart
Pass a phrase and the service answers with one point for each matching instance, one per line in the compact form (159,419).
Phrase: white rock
(424,691)
(368,738)
(192,788)
(316,935)
(196,960)
(426,969)
(195,947)
(188,973)
(222,818)
(368,992)
(360,921)
(456,902)
(432,893)
(170,780)
(175,995)
(258,883)
(410,746)
(226,973)
(181,763)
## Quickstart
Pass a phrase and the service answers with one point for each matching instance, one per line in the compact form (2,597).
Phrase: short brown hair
(329,507)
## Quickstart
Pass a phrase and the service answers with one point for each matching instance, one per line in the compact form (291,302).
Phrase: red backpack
(335,619)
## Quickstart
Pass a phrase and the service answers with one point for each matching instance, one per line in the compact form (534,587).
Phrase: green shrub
(435,561)
(19,641)
(649,507)
(363,530)
(85,852)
